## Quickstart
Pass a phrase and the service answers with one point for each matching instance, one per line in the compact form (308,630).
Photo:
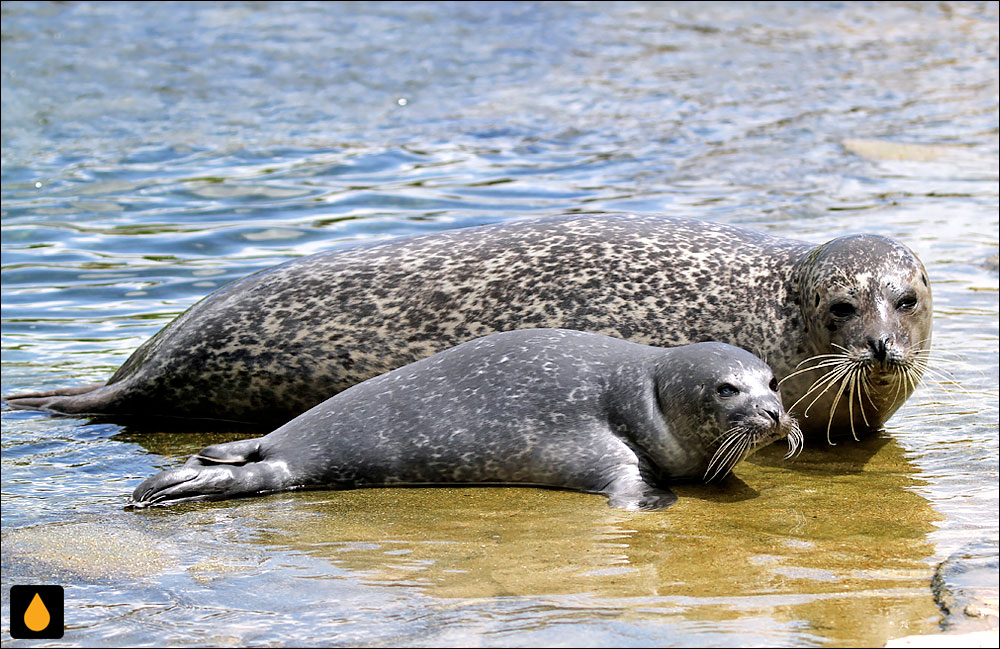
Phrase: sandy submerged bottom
(828,548)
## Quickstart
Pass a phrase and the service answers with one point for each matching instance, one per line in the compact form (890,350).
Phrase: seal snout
(769,412)
(881,355)
(765,423)
(755,425)
(765,420)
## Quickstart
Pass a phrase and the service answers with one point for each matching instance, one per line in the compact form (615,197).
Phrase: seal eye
(727,390)
(906,303)
(773,384)
(843,310)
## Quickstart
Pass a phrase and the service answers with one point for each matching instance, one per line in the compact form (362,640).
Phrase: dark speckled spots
(274,344)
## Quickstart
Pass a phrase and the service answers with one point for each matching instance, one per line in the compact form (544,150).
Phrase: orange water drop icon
(36,617)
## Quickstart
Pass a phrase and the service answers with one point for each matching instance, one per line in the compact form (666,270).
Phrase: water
(153,152)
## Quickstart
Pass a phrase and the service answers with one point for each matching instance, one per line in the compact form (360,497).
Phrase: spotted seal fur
(546,407)
(846,324)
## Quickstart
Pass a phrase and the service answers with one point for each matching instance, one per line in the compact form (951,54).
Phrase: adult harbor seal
(852,315)
(545,407)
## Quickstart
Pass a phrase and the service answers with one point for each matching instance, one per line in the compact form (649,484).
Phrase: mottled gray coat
(272,345)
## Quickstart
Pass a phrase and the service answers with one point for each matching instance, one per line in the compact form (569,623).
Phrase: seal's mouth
(745,436)
(883,364)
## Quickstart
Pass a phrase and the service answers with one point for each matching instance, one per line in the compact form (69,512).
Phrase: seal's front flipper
(182,485)
(215,473)
(651,500)
(634,494)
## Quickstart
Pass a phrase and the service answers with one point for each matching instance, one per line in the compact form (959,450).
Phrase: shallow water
(154,152)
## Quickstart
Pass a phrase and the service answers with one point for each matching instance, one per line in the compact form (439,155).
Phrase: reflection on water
(154,152)
(804,547)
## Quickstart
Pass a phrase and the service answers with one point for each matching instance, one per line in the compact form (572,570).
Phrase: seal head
(724,404)
(866,304)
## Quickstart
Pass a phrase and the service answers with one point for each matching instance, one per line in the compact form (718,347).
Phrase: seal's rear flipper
(94,398)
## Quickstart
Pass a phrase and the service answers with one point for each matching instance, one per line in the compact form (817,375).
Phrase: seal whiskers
(742,440)
(845,374)
(795,439)
(921,369)
(733,450)
(851,373)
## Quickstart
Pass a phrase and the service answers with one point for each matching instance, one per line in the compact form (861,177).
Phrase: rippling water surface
(153,152)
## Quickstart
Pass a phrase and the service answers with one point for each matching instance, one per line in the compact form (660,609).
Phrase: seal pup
(852,315)
(544,407)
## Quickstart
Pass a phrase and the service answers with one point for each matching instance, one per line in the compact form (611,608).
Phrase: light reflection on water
(189,154)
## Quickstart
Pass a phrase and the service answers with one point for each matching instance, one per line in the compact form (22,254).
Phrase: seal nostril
(879,347)
(773,415)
